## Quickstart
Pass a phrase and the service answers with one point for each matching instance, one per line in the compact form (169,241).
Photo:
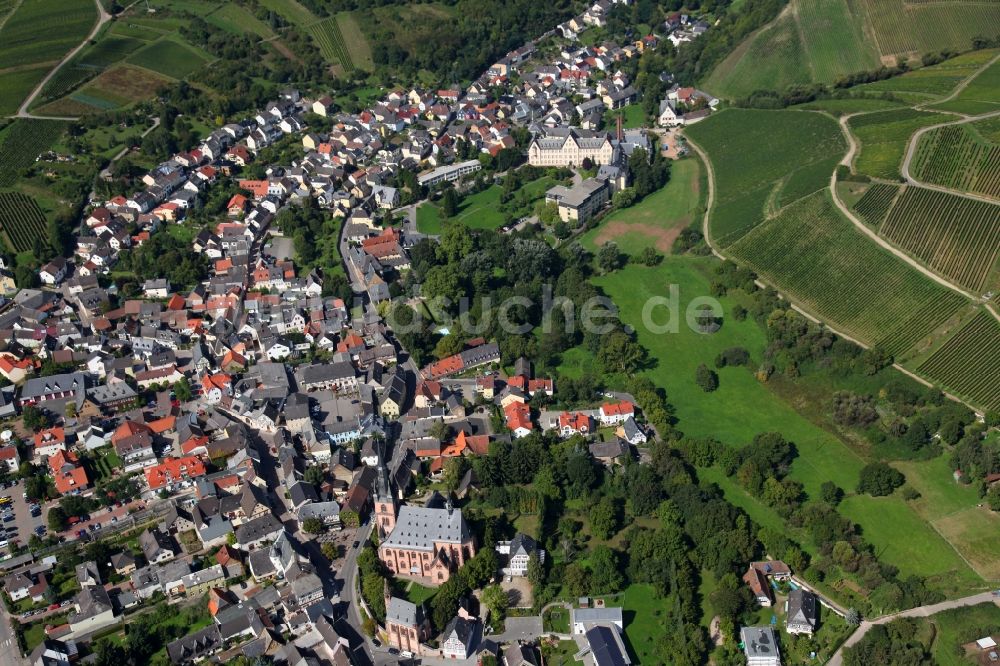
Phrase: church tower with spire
(385,503)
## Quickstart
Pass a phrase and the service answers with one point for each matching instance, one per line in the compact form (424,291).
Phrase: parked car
(53,607)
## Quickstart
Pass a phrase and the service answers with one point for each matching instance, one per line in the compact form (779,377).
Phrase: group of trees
(165,256)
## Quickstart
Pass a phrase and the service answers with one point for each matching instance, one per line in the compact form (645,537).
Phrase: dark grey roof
(193,647)
(606,646)
(801,608)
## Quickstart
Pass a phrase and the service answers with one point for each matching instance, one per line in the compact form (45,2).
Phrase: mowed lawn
(657,219)
(742,407)
(477,211)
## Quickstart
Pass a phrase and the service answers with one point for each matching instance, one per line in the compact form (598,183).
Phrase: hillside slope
(817,41)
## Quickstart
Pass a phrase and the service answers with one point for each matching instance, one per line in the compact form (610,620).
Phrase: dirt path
(963,85)
(3,21)
(911,149)
(920,611)
(710,201)
(102,18)
(863,228)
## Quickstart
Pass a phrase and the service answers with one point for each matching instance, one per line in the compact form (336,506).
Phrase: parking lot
(24,524)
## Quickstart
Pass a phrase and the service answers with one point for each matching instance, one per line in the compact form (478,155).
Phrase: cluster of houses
(801,609)
(220,399)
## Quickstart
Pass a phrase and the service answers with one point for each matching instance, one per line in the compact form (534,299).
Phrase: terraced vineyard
(331,42)
(957,237)
(884,136)
(815,255)
(965,364)
(906,27)
(22,142)
(21,220)
(876,202)
(955,157)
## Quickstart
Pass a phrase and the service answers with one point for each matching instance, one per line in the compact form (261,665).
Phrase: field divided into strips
(988,128)
(968,363)
(168,57)
(812,40)
(291,10)
(955,236)
(955,157)
(21,220)
(982,95)
(238,20)
(874,205)
(883,137)
(928,83)
(45,30)
(331,42)
(93,60)
(22,142)
(908,28)
(120,86)
(355,41)
(816,256)
(16,85)
(754,151)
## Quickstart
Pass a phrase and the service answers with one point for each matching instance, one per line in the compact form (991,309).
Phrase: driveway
(520,629)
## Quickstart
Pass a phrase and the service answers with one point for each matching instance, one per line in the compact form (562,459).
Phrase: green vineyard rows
(22,142)
(955,236)
(331,42)
(953,157)
(21,220)
(875,204)
(968,363)
(814,254)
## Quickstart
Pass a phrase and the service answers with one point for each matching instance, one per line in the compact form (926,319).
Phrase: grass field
(120,86)
(22,142)
(883,138)
(957,157)
(354,41)
(291,10)
(743,407)
(21,221)
(988,128)
(982,95)
(821,40)
(754,152)
(238,20)
(812,41)
(28,36)
(657,219)
(957,237)
(814,254)
(964,366)
(477,211)
(928,83)
(168,57)
(844,106)
(953,627)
